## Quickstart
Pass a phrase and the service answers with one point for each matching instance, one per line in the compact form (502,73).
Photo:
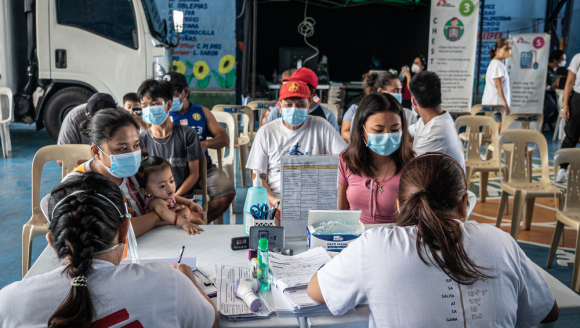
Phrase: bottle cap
(263,243)
(257,182)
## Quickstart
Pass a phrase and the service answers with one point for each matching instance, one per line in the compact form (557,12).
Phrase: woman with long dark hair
(497,79)
(370,167)
(433,269)
(88,227)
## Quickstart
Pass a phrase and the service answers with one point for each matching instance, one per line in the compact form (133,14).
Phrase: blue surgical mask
(176,105)
(294,115)
(384,144)
(398,96)
(155,115)
(123,165)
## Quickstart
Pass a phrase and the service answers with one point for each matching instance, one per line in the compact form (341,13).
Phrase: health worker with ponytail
(88,231)
(433,269)
(371,166)
(497,79)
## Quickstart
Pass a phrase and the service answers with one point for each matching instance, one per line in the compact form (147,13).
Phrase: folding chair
(5,119)
(38,224)
(570,213)
(524,191)
(473,161)
(244,140)
(226,163)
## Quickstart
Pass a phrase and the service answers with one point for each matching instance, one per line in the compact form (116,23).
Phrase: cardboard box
(337,241)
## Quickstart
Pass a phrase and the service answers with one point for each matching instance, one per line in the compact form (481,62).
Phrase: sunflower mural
(226,67)
(200,71)
(179,66)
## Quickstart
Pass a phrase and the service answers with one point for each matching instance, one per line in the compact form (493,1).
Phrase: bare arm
(314,291)
(144,223)
(265,118)
(216,131)
(553,315)
(186,270)
(191,180)
(160,207)
(498,82)
(345,130)
(567,91)
(342,200)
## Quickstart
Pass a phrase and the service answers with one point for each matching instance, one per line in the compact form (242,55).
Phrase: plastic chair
(333,108)
(202,189)
(559,131)
(242,141)
(262,107)
(517,184)
(525,121)
(38,224)
(5,122)
(473,161)
(226,163)
(489,111)
(456,115)
(570,214)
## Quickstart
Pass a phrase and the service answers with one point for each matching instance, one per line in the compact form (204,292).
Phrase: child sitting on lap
(158,186)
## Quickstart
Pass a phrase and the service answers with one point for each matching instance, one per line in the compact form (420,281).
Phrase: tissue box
(337,241)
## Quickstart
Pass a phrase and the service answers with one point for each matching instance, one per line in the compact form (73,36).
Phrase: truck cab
(88,46)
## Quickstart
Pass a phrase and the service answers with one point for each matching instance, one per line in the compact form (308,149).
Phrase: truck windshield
(156,23)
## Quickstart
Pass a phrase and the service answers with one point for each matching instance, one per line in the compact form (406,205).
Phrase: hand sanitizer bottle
(263,263)
(257,203)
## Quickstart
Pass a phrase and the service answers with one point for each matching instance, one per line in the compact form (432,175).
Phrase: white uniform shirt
(438,135)
(155,295)
(496,69)
(574,67)
(382,269)
(315,137)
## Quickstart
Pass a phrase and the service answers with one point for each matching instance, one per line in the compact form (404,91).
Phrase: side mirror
(177,21)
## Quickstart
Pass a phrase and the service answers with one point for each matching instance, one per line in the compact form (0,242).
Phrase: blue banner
(206,53)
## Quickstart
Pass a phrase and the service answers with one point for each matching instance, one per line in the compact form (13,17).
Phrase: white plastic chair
(226,163)
(262,107)
(559,130)
(5,122)
(243,140)
(333,108)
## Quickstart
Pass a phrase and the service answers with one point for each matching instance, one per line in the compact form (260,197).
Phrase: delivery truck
(54,54)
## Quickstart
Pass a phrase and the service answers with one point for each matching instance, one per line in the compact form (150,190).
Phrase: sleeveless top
(195,118)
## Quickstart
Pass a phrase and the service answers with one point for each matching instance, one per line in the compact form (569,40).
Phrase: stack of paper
(228,304)
(291,275)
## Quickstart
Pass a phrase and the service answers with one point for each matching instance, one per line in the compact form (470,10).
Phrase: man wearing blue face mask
(220,188)
(307,76)
(178,144)
(295,133)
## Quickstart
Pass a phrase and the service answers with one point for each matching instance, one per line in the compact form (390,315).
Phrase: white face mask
(562,63)
(415,68)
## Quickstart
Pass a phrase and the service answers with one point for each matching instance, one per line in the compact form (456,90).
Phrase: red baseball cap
(305,75)
(292,89)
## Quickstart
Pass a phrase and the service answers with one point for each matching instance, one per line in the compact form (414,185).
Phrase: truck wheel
(60,104)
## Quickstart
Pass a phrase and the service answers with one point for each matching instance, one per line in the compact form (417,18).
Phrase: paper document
(297,270)
(308,183)
(228,303)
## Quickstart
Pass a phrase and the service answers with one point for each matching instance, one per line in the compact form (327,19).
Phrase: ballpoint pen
(180,255)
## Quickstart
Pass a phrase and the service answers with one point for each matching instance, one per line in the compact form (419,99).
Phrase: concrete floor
(15,175)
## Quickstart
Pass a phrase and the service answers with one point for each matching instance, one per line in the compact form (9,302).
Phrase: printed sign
(527,68)
(206,53)
(453,36)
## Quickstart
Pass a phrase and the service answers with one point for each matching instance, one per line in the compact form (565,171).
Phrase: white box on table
(337,241)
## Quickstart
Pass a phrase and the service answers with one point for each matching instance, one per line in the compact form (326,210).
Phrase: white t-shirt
(155,294)
(382,269)
(574,67)
(315,137)
(438,135)
(496,69)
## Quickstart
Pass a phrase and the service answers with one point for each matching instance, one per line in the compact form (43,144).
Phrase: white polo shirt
(438,135)
(155,295)
(574,67)
(382,269)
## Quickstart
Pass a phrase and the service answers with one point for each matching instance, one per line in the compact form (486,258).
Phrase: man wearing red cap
(307,76)
(295,133)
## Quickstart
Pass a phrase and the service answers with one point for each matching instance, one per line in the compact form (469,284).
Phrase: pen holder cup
(251,222)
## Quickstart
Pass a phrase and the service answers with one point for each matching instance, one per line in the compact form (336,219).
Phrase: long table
(212,247)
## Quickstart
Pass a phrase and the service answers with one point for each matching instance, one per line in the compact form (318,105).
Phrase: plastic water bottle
(263,262)
(256,196)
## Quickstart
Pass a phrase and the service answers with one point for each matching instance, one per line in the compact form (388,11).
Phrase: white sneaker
(562,176)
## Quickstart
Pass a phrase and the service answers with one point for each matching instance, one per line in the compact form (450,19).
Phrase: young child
(132,104)
(158,186)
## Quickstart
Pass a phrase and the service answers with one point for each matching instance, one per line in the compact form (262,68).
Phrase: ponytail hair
(498,45)
(373,80)
(82,225)
(103,126)
(431,188)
